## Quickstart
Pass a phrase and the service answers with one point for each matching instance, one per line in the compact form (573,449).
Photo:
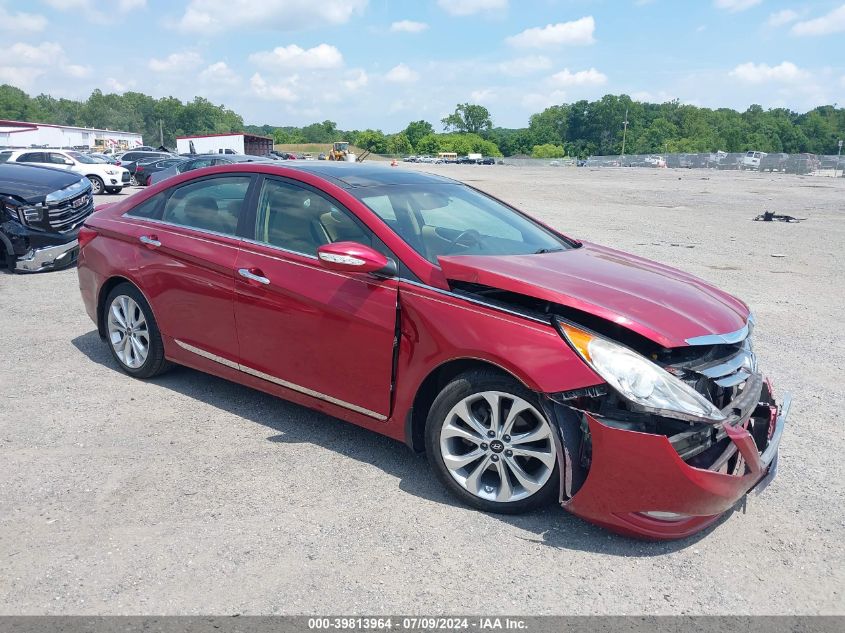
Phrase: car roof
(352,175)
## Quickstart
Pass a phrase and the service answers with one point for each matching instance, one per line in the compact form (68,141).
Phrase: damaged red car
(530,366)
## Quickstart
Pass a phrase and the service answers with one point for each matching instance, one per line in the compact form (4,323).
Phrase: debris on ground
(770,216)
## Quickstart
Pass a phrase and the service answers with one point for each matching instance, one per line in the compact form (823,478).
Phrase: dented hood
(659,302)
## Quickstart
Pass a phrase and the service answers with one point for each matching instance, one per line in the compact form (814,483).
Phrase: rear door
(186,258)
(329,335)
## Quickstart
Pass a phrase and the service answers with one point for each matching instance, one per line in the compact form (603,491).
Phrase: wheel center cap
(497,446)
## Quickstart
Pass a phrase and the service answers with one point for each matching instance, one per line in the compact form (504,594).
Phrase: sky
(383,63)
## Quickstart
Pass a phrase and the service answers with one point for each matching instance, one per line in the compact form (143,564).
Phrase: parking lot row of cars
(454,160)
(803,163)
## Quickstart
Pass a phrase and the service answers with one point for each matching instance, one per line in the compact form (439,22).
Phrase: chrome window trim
(183,226)
(275,247)
(284,383)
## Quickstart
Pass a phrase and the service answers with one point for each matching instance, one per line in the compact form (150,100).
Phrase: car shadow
(293,424)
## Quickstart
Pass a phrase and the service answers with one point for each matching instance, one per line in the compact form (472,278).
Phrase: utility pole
(838,156)
(161,133)
(624,134)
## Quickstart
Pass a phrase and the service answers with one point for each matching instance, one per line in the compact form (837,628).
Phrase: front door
(323,333)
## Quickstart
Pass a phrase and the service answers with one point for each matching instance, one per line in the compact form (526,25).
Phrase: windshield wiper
(547,250)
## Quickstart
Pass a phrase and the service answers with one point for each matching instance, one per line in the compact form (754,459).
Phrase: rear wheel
(491,445)
(133,182)
(132,333)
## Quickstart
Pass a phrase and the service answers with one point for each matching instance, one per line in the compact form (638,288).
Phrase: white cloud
(833,22)
(575,33)
(590,77)
(471,7)
(780,18)
(534,101)
(401,74)
(735,6)
(176,62)
(213,16)
(94,10)
(357,79)
(114,85)
(283,91)
(785,72)
(525,65)
(408,26)
(483,95)
(77,71)
(21,64)
(219,74)
(28,55)
(294,57)
(21,22)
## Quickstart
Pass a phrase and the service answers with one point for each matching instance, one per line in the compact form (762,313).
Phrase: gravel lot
(188,494)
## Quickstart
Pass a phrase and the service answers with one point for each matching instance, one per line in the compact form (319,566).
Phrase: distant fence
(801,164)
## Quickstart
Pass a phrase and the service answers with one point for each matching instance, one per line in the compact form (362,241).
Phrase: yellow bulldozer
(340,151)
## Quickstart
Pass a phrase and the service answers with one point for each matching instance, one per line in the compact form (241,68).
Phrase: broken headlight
(638,380)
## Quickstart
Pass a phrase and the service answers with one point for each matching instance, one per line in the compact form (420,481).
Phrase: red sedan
(530,366)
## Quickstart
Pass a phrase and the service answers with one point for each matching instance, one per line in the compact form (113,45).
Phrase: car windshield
(82,158)
(456,220)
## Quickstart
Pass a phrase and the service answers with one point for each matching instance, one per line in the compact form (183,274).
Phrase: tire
(97,185)
(133,182)
(134,342)
(458,428)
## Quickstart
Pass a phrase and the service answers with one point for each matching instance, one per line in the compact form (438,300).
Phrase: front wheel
(97,185)
(490,444)
(133,182)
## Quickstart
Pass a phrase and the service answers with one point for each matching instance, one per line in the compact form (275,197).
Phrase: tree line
(582,129)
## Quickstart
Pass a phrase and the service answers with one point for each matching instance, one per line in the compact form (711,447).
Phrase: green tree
(373,140)
(548,151)
(417,129)
(399,144)
(468,117)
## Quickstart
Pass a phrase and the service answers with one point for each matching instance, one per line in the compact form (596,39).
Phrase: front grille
(124,177)
(719,373)
(68,214)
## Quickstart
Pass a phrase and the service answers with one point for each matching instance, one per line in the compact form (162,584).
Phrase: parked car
(655,161)
(487,160)
(529,365)
(410,159)
(204,160)
(751,160)
(774,162)
(466,160)
(105,178)
(104,158)
(145,169)
(730,162)
(41,210)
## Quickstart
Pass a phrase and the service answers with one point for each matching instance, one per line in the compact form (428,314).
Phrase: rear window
(4,156)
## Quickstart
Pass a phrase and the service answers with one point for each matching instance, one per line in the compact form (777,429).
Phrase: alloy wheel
(129,334)
(497,446)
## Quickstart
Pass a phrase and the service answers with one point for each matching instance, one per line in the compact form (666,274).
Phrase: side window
(149,209)
(300,220)
(4,156)
(31,157)
(211,205)
(57,159)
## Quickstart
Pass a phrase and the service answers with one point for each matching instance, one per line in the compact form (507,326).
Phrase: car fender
(438,328)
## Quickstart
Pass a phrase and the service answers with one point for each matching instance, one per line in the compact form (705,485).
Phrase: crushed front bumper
(48,257)
(638,485)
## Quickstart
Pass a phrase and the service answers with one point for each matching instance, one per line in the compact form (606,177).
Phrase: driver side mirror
(352,257)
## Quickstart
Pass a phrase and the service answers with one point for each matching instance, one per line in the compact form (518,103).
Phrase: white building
(22,134)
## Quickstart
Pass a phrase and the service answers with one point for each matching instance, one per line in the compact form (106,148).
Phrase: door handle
(248,274)
(150,240)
